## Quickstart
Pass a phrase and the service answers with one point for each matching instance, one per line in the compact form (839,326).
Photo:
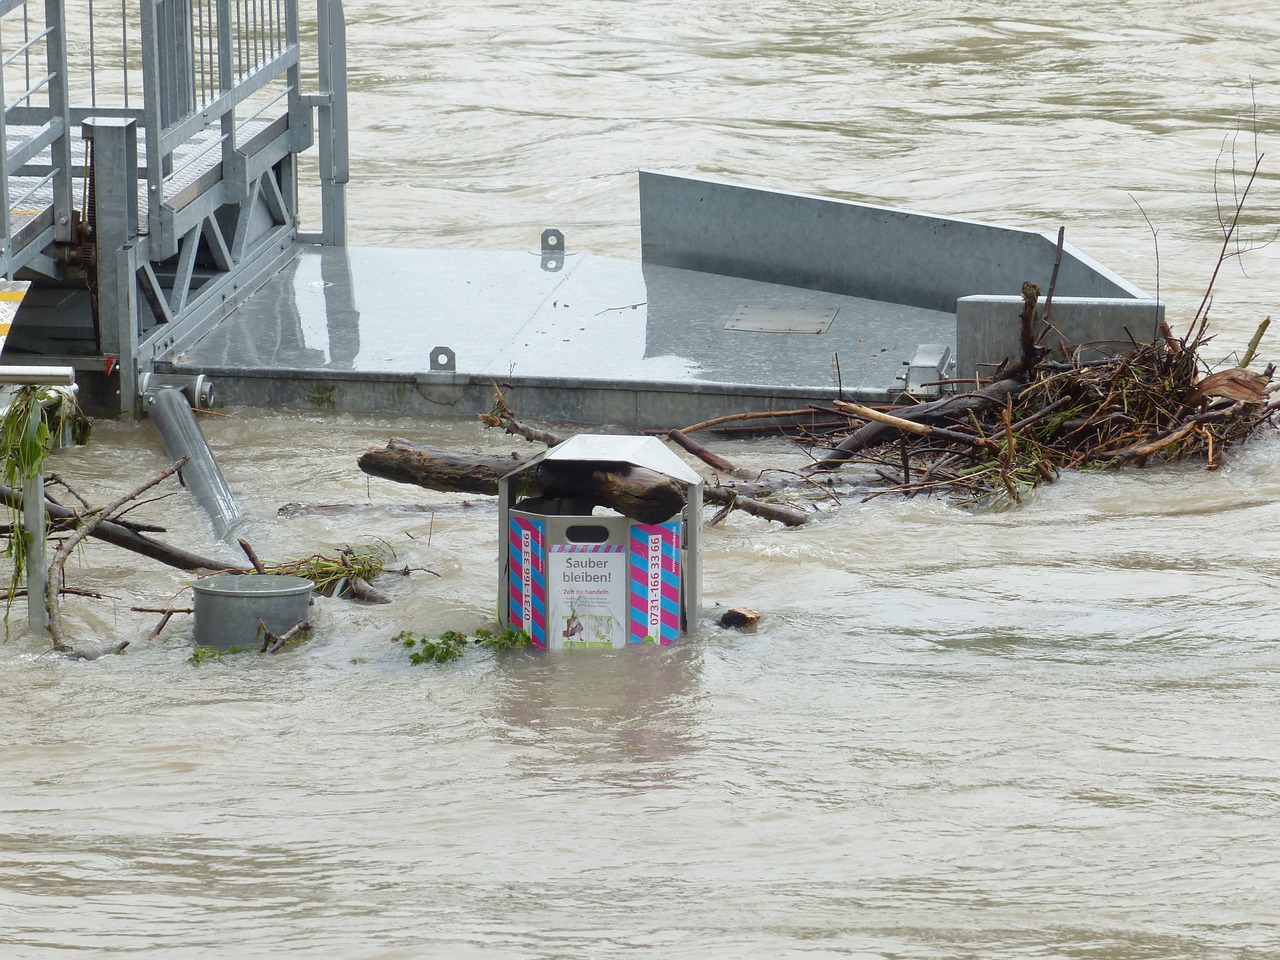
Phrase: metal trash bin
(576,578)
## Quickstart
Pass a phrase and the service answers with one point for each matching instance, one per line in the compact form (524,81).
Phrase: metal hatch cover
(755,318)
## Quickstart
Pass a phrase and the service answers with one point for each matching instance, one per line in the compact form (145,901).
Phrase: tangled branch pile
(1149,404)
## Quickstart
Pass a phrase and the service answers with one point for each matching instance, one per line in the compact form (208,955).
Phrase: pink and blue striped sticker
(527,581)
(655,582)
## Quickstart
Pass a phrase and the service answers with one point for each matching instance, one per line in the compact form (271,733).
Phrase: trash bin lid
(648,452)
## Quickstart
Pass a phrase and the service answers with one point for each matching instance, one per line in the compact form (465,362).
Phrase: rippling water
(1044,733)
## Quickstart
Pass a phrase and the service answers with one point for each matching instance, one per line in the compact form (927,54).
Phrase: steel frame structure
(187,170)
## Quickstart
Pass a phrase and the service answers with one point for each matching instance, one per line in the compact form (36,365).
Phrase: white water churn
(229,606)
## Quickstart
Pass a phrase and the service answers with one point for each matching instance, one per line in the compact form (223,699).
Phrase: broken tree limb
(436,468)
(153,635)
(779,512)
(911,426)
(1141,451)
(713,460)
(754,415)
(362,590)
(56,574)
(501,417)
(273,644)
(119,535)
(636,492)
(252,555)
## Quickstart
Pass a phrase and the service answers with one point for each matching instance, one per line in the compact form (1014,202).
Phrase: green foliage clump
(446,647)
(450,644)
(509,638)
(332,575)
(201,654)
(34,418)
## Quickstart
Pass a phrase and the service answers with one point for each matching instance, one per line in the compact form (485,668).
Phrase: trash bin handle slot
(587,533)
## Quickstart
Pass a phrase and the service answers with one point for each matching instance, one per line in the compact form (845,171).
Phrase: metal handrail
(16,204)
(28,45)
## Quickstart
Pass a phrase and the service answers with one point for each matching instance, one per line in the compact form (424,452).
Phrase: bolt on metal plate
(442,358)
(762,319)
(552,250)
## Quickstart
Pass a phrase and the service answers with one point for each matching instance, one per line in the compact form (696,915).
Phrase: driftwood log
(635,492)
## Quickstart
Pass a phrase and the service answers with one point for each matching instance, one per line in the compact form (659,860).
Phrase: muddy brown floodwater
(1049,733)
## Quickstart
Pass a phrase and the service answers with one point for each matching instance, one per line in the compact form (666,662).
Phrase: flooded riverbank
(1034,733)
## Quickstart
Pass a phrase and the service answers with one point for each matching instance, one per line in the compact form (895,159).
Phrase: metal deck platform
(598,340)
(744,299)
(186,256)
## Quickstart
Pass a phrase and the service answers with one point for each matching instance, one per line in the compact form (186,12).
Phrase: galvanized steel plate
(761,319)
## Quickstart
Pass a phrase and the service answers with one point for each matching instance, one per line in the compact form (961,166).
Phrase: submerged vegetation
(334,575)
(450,644)
(35,420)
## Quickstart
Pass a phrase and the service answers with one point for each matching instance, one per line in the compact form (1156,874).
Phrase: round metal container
(229,606)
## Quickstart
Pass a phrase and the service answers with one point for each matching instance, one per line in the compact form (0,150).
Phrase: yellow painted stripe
(4,329)
(12,296)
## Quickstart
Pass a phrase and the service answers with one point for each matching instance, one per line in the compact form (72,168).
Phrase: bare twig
(56,574)
(252,555)
(737,417)
(712,460)
(273,644)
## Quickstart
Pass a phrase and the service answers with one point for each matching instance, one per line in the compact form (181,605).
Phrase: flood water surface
(1049,732)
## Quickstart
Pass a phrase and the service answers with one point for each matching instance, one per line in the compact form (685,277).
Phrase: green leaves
(450,644)
(446,647)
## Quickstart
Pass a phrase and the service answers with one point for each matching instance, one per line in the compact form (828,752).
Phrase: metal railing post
(33,503)
(115,158)
(332,139)
(59,112)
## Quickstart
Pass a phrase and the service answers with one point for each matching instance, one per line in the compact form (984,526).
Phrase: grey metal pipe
(171,413)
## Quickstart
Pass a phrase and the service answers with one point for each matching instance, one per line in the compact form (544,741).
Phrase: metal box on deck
(582,577)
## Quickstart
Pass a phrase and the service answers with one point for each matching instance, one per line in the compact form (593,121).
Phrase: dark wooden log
(713,460)
(361,590)
(436,468)
(635,492)
(731,499)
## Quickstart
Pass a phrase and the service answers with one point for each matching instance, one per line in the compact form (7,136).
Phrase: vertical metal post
(152,119)
(115,160)
(33,503)
(6,226)
(332,78)
(226,80)
(34,521)
(59,109)
(176,82)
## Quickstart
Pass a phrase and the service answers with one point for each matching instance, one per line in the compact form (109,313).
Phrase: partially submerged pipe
(171,413)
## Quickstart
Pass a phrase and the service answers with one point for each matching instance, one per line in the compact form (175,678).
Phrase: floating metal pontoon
(158,225)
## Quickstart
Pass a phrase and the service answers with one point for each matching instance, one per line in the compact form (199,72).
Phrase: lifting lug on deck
(552,250)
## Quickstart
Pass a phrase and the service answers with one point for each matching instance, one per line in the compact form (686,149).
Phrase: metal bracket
(926,367)
(442,358)
(552,250)
(199,389)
